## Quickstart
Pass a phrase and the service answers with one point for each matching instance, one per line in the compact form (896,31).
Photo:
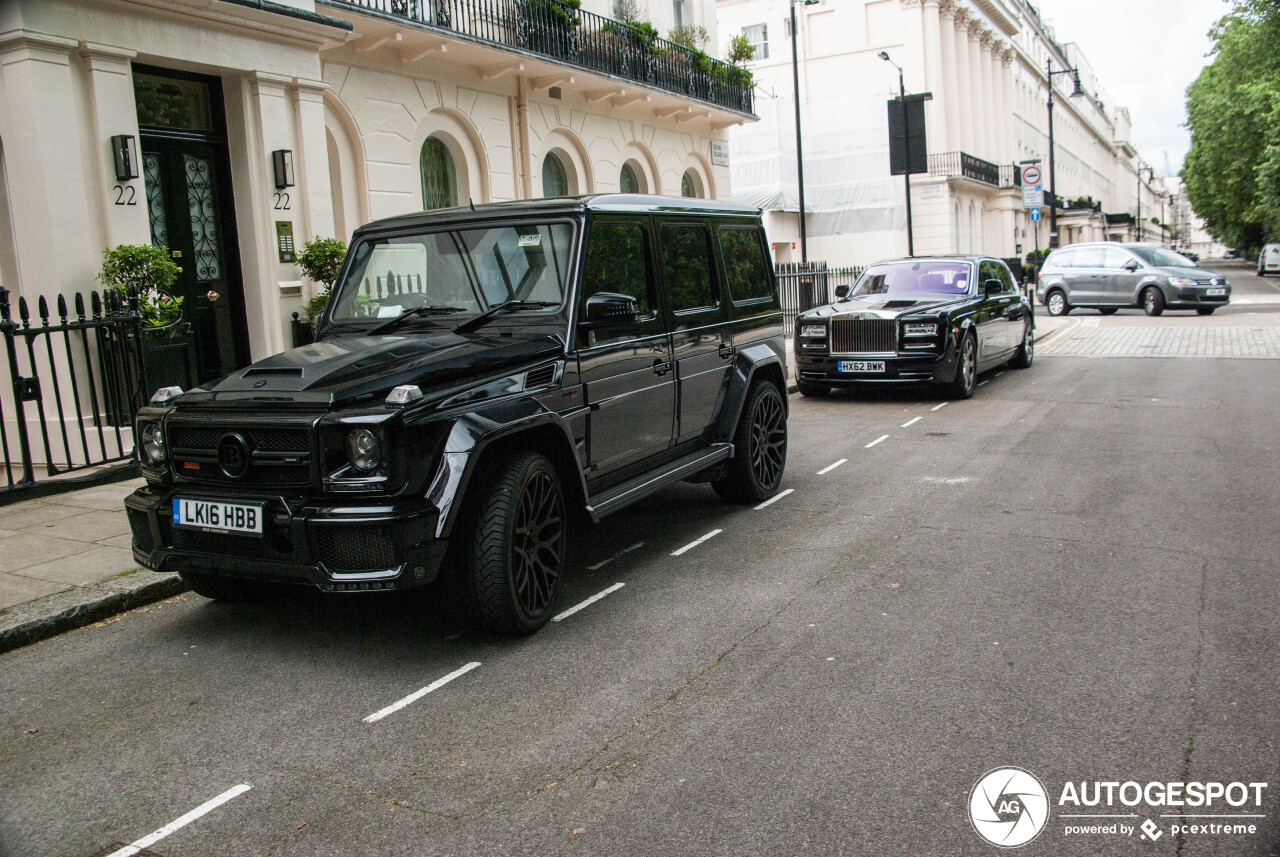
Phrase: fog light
(153,443)
(364,450)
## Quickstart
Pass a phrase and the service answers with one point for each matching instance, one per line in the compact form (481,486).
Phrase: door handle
(726,351)
(661,367)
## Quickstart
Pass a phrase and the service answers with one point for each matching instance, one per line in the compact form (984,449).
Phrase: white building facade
(255,125)
(984,63)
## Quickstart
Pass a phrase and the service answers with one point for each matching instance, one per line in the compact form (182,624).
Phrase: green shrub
(152,272)
(321,261)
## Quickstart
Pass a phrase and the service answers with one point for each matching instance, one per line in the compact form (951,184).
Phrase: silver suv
(1108,276)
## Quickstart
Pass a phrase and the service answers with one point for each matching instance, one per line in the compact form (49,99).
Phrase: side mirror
(610,309)
(993,287)
(1131,265)
(842,292)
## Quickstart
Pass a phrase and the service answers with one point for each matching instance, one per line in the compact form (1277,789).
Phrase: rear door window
(686,266)
(746,272)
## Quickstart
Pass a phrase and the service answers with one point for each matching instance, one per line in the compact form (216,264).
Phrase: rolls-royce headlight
(813,331)
(364,450)
(917,329)
(153,443)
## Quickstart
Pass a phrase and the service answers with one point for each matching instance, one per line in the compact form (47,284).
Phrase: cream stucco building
(254,125)
(984,62)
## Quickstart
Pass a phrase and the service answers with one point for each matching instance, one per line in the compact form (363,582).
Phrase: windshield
(1162,258)
(896,278)
(464,270)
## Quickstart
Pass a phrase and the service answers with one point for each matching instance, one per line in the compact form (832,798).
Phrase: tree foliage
(1232,170)
(149,270)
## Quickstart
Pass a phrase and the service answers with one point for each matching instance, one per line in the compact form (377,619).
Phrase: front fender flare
(747,364)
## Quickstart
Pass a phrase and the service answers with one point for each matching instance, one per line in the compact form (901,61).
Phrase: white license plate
(861,366)
(1213,293)
(216,516)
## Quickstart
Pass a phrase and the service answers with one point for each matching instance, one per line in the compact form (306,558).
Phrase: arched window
(555,180)
(628,181)
(439,176)
(689,185)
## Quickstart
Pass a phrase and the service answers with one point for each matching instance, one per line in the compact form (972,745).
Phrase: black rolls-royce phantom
(934,320)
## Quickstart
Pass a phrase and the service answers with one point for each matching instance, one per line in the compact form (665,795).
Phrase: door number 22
(125,195)
(282,201)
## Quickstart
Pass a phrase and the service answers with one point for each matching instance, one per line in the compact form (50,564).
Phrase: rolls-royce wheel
(517,556)
(1152,300)
(966,369)
(1108,310)
(1205,310)
(1056,303)
(760,447)
(1027,350)
(232,589)
(813,391)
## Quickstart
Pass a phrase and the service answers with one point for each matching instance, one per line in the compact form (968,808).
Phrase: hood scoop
(272,372)
(899,304)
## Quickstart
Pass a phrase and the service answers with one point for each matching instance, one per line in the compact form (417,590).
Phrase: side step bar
(622,495)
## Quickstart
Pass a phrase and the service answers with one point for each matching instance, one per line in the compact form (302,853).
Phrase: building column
(933,76)
(964,82)
(1006,87)
(980,77)
(948,74)
(311,160)
(111,112)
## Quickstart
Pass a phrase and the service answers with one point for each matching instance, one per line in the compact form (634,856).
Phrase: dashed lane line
(911,422)
(877,440)
(775,498)
(939,407)
(693,544)
(831,467)
(418,694)
(592,600)
(181,822)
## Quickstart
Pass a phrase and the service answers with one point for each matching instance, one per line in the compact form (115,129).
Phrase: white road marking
(602,563)
(939,407)
(693,544)
(831,467)
(877,440)
(592,600)
(942,481)
(980,383)
(181,822)
(418,694)
(775,498)
(998,374)
(910,423)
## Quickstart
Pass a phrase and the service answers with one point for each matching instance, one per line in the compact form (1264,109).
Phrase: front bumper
(1182,297)
(338,548)
(817,367)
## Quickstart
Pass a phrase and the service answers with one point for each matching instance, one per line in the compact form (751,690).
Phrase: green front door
(186,171)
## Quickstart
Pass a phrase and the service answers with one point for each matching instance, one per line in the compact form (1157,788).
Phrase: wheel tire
(1109,310)
(1152,301)
(1205,310)
(966,370)
(512,572)
(1026,351)
(813,391)
(231,589)
(760,447)
(1056,303)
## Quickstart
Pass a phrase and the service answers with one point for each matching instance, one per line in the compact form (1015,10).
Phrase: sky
(1145,52)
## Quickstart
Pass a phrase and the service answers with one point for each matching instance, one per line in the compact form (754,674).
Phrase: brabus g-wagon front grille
(864,336)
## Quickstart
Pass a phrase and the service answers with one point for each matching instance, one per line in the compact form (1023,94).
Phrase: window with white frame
(758,36)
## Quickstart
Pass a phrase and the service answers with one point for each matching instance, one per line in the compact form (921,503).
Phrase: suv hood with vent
(348,369)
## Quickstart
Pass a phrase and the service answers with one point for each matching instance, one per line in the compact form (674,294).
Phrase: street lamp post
(906,177)
(1053,185)
(1150,177)
(795,77)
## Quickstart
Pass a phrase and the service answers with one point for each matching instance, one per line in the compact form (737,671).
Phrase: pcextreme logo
(1008,807)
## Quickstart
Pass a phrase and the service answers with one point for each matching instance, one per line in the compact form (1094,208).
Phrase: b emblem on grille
(233,455)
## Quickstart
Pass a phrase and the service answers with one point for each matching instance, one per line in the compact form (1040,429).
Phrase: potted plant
(320,261)
(551,26)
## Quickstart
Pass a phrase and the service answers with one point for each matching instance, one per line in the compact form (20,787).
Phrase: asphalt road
(1075,572)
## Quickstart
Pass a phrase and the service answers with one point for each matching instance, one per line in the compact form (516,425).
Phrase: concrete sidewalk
(65,561)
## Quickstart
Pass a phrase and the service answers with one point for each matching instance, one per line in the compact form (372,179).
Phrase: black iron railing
(802,287)
(554,29)
(77,375)
(962,165)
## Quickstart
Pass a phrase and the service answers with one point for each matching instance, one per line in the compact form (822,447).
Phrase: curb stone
(55,614)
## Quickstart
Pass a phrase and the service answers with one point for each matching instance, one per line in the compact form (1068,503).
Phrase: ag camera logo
(1008,807)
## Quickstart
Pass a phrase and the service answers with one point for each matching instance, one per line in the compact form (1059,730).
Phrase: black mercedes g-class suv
(479,376)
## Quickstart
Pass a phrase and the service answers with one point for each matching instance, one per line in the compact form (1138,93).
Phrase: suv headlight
(1181,281)
(813,331)
(919,329)
(153,443)
(364,450)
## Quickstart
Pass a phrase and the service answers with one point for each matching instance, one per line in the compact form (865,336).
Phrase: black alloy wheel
(760,448)
(519,545)
(966,369)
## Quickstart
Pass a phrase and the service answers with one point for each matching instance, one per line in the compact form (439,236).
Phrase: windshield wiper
(472,325)
(392,324)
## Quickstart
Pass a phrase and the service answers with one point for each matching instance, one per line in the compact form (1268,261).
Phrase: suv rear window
(744,264)
(686,264)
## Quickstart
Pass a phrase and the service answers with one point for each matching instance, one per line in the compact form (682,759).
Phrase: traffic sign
(1030,175)
(1035,215)
(1032,196)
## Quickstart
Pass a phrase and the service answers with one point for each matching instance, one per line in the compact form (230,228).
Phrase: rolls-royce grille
(364,548)
(864,336)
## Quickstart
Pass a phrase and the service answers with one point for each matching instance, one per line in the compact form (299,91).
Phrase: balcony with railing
(566,35)
(962,165)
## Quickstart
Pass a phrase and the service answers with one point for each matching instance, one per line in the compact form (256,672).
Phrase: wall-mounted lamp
(125,156)
(282,162)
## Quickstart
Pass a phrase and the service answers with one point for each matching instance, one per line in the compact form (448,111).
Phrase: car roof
(629,203)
